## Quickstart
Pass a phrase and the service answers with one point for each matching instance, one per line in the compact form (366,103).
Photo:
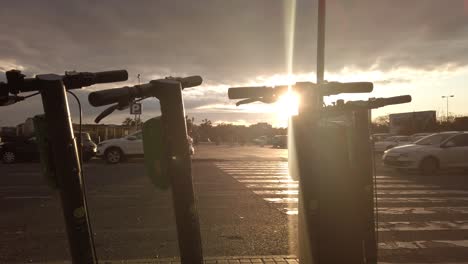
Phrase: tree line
(206,131)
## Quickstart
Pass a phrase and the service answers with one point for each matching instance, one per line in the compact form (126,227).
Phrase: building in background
(412,122)
(98,132)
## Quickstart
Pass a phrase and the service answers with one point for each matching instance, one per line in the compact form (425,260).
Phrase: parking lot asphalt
(421,219)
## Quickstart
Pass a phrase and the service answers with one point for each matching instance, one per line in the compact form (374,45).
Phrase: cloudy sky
(417,47)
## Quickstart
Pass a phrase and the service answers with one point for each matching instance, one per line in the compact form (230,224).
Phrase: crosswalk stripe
(422,200)
(423,244)
(404,210)
(292,190)
(273,186)
(268,181)
(380,185)
(259,174)
(422,210)
(278,192)
(259,171)
(385,177)
(419,188)
(282,200)
(395,197)
(464,262)
(262,177)
(251,167)
(422,192)
(423,226)
(385,186)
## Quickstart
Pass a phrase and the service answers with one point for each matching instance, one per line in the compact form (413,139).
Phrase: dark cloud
(227,42)
(420,34)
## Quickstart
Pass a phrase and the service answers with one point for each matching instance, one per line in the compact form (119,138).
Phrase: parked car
(26,149)
(280,141)
(431,153)
(89,147)
(391,142)
(19,148)
(261,141)
(380,136)
(418,136)
(116,150)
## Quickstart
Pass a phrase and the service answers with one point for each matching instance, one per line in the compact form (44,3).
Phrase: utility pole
(321,42)
(137,120)
(305,253)
(447,99)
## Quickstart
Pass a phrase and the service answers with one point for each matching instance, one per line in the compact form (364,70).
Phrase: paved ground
(239,153)
(247,206)
(421,219)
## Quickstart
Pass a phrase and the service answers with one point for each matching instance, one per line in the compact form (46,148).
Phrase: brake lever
(266,100)
(247,101)
(110,110)
(9,100)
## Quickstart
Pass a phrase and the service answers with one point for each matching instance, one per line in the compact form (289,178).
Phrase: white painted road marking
(395,196)
(423,244)
(408,211)
(423,226)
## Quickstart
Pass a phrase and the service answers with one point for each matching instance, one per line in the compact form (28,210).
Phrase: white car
(388,143)
(380,136)
(116,150)
(431,153)
(261,141)
(418,136)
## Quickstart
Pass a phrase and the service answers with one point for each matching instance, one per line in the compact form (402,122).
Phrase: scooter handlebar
(111,76)
(249,92)
(351,87)
(190,81)
(72,80)
(127,94)
(380,102)
(110,96)
(322,89)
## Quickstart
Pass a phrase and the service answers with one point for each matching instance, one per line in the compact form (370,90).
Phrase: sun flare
(287,106)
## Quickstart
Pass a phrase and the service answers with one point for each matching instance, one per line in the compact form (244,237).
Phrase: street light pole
(447,98)
(321,41)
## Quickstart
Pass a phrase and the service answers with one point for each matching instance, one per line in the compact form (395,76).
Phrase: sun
(287,106)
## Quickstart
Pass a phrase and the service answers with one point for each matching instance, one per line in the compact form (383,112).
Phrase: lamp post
(447,98)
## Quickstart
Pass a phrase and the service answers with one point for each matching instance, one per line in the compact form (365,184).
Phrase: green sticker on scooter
(45,152)
(156,158)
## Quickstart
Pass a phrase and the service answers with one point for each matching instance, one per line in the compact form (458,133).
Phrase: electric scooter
(58,148)
(166,148)
(330,154)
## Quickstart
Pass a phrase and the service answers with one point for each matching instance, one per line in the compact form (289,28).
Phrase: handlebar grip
(191,81)
(110,96)
(249,92)
(397,99)
(351,87)
(111,76)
